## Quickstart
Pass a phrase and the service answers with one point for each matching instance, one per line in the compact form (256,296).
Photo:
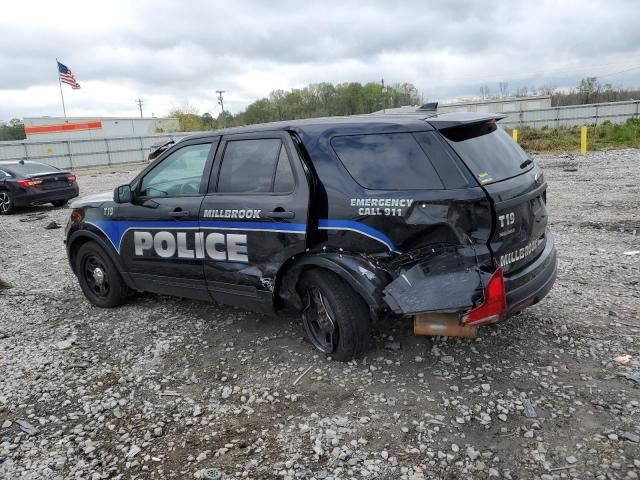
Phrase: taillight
(30,182)
(494,306)
(71,178)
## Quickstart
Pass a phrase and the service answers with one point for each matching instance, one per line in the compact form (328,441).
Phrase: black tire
(99,278)
(60,203)
(6,203)
(326,296)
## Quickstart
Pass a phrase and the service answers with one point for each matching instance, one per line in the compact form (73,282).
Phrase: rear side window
(392,161)
(255,166)
(488,151)
(32,168)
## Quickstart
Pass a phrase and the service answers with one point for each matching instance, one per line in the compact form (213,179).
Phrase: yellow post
(583,140)
(514,134)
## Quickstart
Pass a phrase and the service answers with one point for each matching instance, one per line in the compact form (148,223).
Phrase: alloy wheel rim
(5,202)
(95,275)
(319,323)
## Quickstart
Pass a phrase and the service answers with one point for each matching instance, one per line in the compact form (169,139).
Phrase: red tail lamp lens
(71,178)
(30,182)
(494,306)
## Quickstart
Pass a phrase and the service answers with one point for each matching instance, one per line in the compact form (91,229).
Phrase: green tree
(14,130)
(314,100)
(188,118)
(208,122)
(588,89)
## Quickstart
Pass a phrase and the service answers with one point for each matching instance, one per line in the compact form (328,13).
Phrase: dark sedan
(24,183)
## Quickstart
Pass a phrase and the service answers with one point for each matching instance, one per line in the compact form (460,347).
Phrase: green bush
(604,136)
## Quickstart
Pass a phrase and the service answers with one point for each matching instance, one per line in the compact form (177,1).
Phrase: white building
(88,128)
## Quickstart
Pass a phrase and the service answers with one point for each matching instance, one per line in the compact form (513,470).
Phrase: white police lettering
(231,214)
(230,247)
(521,253)
(381,206)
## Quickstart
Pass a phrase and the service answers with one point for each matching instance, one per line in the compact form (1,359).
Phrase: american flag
(66,76)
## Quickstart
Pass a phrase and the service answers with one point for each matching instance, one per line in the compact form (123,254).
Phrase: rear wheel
(59,203)
(335,318)
(99,279)
(6,203)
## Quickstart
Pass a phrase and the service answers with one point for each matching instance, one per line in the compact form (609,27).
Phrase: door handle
(179,213)
(280,215)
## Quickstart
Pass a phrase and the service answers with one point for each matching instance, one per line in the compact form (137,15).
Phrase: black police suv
(344,219)
(24,183)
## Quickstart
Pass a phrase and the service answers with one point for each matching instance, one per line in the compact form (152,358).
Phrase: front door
(254,217)
(160,245)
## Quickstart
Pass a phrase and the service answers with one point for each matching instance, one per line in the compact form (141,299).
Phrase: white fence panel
(95,152)
(11,151)
(86,147)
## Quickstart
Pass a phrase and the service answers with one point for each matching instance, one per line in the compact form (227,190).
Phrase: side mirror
(122,194)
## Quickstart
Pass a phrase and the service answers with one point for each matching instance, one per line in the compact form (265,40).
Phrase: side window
(178,174)
(255,166)
(389,161)
(283,181)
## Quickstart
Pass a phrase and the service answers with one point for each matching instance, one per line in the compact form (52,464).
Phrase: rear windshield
(30,168)
(392,161)
(488,151)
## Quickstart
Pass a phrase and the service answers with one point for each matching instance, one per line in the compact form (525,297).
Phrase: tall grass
(607,135)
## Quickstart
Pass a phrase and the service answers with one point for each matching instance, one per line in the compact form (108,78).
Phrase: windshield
(488,151)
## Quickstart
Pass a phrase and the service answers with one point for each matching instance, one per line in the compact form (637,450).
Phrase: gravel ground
(171,388)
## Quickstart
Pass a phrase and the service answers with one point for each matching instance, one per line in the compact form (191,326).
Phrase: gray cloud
(182,52)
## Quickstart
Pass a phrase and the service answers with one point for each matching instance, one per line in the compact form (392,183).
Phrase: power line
(140,102)
(621,71)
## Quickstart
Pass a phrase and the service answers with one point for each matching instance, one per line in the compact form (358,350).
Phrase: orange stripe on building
(63,127)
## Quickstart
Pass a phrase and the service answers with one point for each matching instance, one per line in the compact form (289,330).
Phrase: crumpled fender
(445,282)
(360,273)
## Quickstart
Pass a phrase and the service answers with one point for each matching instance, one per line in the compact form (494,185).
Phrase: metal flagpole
(61,94)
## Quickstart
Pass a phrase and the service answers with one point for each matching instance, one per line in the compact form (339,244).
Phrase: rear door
(254,217)
(515,186)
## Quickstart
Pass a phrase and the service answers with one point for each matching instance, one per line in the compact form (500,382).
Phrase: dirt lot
(169,388)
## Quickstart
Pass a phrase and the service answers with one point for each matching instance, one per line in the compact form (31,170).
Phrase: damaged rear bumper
(450,281)
(531,284)
(456,283)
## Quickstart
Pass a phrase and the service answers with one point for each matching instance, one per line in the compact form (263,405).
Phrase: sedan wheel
(6,203)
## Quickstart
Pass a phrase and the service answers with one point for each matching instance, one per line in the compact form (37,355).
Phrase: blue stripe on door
(358,227)
(115,229)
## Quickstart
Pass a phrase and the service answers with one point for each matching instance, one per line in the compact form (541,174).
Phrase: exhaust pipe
(443,324)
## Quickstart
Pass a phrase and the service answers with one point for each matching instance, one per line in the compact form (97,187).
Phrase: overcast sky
(171,53)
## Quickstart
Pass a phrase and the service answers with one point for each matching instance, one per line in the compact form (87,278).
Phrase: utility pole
(384,99)
(221,103)
(140,102)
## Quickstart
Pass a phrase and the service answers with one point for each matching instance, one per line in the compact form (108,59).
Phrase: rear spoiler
(457,119)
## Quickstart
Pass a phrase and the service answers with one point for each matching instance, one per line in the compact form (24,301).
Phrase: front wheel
(335,318)
(99,279)
(6,203)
